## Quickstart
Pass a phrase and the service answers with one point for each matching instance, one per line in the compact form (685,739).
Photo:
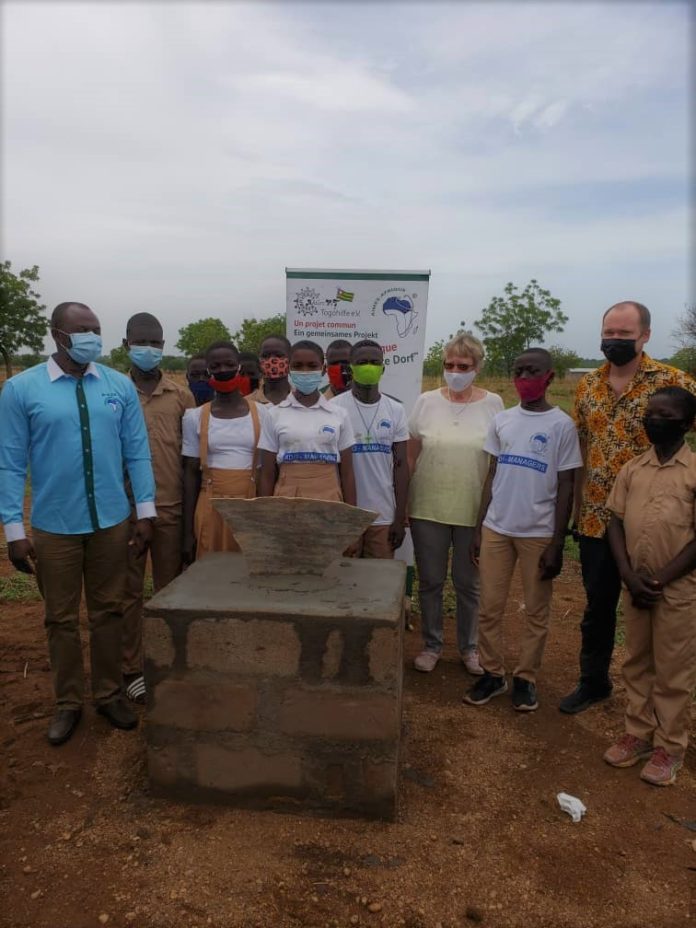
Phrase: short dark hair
(683,399)
(280,338)
(541,353)
(144,319)
(195,357)
(308,345)
(248,356)
(221,344)
(339,343)
(643,312)
(59,313)
(365,343)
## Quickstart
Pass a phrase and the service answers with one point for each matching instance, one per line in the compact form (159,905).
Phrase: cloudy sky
(175,157)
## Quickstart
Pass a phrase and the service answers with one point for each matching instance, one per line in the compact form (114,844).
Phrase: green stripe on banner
(335,275)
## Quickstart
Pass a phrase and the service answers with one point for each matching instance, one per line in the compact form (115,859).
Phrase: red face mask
(339,375)
(530,389)
(238,382)
(274,368)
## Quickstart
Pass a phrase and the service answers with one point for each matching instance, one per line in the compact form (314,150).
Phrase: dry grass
(562,393)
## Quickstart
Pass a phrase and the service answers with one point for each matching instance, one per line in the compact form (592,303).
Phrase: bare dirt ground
(479,840)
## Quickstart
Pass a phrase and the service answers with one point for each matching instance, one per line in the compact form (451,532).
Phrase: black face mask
(619,351)
(664,431)
(224,376)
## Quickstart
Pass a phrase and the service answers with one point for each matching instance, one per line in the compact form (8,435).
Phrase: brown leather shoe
(118,713)
(64,723)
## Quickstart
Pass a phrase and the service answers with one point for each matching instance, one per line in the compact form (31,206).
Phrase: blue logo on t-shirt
(539,443)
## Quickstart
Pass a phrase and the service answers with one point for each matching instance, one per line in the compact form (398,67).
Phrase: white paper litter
(571,805)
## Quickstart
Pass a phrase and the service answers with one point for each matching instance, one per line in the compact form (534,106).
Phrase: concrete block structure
(277,690)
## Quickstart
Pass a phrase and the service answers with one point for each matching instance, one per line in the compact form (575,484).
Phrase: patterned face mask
(274,368)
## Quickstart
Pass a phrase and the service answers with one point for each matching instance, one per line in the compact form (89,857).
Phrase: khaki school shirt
(163,411)
(657,505)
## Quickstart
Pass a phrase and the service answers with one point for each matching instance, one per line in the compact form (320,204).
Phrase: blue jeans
(432,542)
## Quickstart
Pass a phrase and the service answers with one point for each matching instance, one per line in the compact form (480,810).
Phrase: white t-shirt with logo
(376,426)
(531,448)
(299,434)
(230,441)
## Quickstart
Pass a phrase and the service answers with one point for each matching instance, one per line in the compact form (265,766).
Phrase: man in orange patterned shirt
(610,404)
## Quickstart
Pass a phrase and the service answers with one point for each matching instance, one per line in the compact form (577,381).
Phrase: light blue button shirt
(41,432)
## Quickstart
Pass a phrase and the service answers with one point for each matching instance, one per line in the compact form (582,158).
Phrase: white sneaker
(426,661)
(470,659)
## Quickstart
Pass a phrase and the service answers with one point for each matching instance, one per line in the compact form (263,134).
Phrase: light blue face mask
(84,346)
(306,382)
(145,357)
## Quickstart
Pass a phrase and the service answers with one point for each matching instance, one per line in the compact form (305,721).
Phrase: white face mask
(458,381)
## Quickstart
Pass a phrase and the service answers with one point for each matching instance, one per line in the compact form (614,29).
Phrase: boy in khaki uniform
(164,403)
(653,539)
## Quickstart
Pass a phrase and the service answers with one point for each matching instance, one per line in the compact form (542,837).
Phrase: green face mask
(367,375)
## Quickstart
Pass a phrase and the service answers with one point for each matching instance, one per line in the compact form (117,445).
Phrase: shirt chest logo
(112,401)
(539,443)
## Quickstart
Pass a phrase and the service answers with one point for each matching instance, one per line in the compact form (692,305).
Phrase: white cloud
(177,156)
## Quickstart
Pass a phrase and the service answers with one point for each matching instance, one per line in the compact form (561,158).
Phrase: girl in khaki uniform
(306,441)
(220,442)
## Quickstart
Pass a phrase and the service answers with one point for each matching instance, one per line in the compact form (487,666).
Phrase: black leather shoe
(118,713)
(64,723)
(582,697)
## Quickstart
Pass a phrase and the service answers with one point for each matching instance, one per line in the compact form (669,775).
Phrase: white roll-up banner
(387,306)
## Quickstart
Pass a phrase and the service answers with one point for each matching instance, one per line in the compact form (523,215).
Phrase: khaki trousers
(375,543)
(499,554)
(165,557)
(63,563)
(660,668)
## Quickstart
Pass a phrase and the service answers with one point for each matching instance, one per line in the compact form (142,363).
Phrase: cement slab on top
(219,585)
(288,535)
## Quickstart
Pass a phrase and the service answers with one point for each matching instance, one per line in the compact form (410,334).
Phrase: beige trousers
(498,556)
(660,668)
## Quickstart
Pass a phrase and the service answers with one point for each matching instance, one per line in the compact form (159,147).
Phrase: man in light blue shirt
(75,426)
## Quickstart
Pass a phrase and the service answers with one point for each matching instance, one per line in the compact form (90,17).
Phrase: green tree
(173,362)
(29,359)
(517,320)
(195,337)
(432,364)
(563,360)
(22,322)
(252,332)
(118,359)
(685,335)
(685,359)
